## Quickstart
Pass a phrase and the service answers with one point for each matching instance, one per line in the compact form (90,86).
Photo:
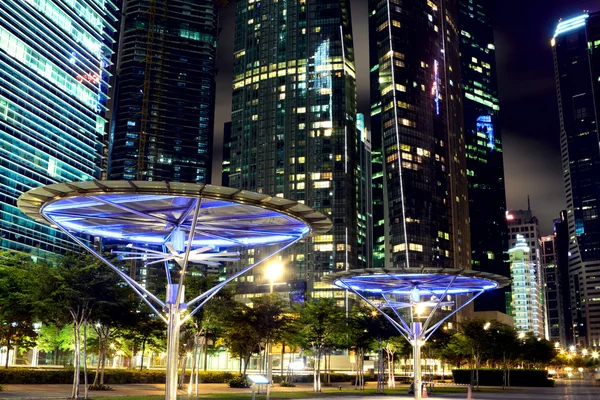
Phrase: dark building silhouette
(162,127)
(417,108)
(485,169)
(226,165)
(294,125)
(561,248)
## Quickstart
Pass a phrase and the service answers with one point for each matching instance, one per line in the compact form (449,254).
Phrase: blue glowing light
(485,126)
(435,90)
(571,24)
(406,284)
(150,219)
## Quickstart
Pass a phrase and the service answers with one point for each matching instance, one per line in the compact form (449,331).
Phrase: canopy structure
(409,298)
(175,224)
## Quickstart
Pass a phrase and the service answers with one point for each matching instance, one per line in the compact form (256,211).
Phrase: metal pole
(173,329)
(416,327)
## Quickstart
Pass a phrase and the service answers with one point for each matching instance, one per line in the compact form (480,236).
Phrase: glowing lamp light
(522,335)
(487,326)
(584,352)
(274,271)
(572,348)
(595,354)
(510,217)
(556,345)
(420,308)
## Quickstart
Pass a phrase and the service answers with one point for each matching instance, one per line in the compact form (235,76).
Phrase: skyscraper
(561,248)
(162,128)
(294,121)
(417,104)
(528,297)
(553,291)
(528,311)
(364,194)
(54,60)
(576,50)
(485,169)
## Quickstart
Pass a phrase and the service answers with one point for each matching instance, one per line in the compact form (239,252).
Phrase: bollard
(469,393)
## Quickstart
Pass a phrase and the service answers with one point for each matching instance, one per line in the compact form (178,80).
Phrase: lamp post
(273,271)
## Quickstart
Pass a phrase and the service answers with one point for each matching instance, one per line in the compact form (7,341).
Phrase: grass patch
(300,395)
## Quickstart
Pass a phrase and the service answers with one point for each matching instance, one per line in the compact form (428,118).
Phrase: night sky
(525,72)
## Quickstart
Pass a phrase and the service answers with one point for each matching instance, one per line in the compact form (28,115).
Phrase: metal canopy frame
(394,292)
(151,213)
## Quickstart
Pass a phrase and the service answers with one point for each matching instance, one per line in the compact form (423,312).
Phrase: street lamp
(273,271)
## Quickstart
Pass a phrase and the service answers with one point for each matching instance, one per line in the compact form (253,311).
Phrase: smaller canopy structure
(417,301)
(174,224)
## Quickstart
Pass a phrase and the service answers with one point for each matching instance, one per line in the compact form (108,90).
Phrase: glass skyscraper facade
(163,121)
(54,61)
(485,169)
(417,107)
(364,194)
(294,122)
(528,311)
(576,50)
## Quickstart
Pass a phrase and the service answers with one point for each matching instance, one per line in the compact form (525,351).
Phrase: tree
(317,322)
(17,301)
(238,334)
(75,287)
(537,352)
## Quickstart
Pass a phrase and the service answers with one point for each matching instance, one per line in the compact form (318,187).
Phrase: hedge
(111,376)
(494,377)
(123,376)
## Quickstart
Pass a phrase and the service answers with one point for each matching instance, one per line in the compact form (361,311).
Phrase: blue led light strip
(571,24)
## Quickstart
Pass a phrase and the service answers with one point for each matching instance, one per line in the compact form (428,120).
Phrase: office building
(576,51)
(162,127)
(294,125)
(561,250)
(528,311)
(417,107)
(54,72)
(485,169)
(526,271)
(553,291)
(364,194)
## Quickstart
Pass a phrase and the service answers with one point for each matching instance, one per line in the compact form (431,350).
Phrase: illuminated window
(322,184)
(323,239)
(301,160)
(399,247)
(415,247)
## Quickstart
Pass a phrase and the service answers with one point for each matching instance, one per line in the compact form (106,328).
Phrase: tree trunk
(205,349)
(97,375)
(7,352)
(282,358)
(76,355)
(143,351)
(104,347)
(319,371)
(194,355)
(85,377)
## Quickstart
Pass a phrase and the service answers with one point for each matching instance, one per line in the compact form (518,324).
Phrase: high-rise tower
(54,60)
(417,102)
(576,50)
(162,128)
(485,169)
(294,121)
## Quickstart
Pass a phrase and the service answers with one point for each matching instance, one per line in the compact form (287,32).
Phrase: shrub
(287,384)
(494,377)
(111,376)
(239,382)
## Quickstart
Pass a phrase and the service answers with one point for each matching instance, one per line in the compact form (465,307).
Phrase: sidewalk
(62,391)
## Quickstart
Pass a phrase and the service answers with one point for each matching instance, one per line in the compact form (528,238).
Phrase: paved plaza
(565,390)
